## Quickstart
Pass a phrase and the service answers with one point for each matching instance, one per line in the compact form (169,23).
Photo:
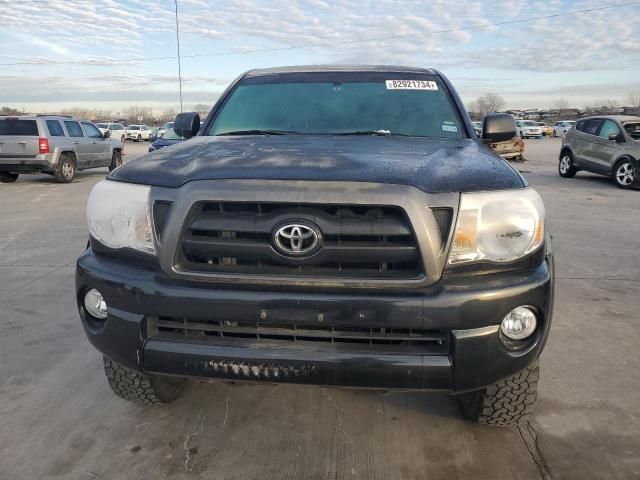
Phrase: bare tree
(202,109)
(633,99)
(88,113)
(167,116)
(10,111)
(489,102)
(135,111)
(561,104)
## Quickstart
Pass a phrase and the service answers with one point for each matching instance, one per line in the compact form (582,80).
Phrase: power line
(565,13)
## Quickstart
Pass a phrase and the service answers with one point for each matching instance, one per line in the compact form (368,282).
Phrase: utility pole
(179,66)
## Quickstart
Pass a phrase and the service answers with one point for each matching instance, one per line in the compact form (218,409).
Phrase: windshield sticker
(411,85)
(446,127)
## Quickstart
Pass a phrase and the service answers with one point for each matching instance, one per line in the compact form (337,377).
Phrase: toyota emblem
(296,239)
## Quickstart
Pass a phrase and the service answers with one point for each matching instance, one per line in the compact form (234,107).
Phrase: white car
(562,127)
(116,129)
(528,128)
(138,132)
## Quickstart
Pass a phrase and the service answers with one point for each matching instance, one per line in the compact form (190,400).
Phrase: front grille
(160,215)
(357,241)
(443,219)
(389,340)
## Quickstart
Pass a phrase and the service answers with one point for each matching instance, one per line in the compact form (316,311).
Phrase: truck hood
(432,165)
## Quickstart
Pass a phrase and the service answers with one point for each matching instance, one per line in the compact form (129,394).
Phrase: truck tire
(139,388)
(8,177)
(505,403)
(116,160)
(65,170)
(139,139)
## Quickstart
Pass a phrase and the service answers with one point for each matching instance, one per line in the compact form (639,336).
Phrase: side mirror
(187,124)
(106,134)
(498,127)
(614,137)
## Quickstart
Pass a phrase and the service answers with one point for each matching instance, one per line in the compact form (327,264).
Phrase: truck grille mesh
(391,340)
(358,241)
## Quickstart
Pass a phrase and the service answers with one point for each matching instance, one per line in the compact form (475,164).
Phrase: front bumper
(468,308)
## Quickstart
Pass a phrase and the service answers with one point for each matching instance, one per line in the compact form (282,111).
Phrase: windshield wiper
(259,132)
(382,133)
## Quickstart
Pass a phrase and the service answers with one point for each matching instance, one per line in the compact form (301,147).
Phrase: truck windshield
(392,106)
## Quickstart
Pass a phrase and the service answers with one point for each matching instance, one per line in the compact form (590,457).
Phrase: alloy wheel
(67,169)
(624,174)
(565,164)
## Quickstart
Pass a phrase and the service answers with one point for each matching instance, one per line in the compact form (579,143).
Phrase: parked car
(164,128)
(510,150)
(562,127)
(137,133)
(608,145)
(547,131)
(167,138)
(54,144)
(116,130)
(528,129)
(319,235)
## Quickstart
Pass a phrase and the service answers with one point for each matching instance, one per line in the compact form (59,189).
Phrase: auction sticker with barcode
(411,85)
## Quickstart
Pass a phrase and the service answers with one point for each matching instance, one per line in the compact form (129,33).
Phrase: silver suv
(608,145)
(54,144)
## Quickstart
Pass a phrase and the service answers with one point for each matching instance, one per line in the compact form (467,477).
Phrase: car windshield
(346,104)
(530,124)
(167,126)
(101,125)
(171,135)
(134,127)
(633,129)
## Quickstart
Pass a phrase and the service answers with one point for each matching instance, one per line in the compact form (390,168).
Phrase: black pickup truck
(336,226)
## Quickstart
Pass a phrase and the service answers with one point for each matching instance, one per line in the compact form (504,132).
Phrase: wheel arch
(564,150)
(624,156)
(70,152)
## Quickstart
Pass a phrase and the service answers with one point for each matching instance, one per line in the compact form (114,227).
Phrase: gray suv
(608,145)
(58,145)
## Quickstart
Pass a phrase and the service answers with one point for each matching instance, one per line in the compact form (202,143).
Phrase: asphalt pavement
(59,419)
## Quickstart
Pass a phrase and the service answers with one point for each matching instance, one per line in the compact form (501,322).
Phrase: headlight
(118,215)
(498,226)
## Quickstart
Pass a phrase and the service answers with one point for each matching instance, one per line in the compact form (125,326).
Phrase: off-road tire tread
(139,388)
(505,403)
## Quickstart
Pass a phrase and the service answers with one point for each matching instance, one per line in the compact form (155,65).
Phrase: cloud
(100,37)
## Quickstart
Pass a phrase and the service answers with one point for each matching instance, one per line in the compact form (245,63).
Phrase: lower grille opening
(399,340)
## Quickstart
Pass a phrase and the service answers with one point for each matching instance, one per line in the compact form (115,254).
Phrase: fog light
(95,305)
(519,323)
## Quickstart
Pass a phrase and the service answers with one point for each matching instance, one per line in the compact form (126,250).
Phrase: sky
(111,54)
